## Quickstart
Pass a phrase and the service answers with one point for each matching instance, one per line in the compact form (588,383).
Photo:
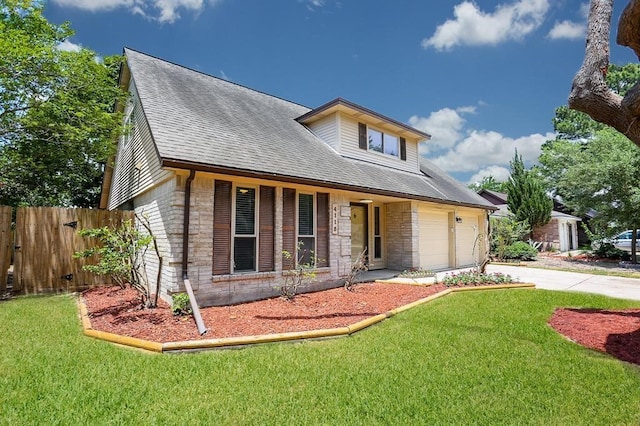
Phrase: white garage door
(465,238)
(434,239)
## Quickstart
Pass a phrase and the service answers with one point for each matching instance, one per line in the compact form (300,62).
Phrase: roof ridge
(213,76)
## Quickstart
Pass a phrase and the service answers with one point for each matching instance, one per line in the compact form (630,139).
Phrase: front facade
(243,179)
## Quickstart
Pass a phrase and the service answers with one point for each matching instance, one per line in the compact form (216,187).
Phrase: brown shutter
(288,225)
(322,228)
(362,135)
(403,149)
(222,228)
(267,218)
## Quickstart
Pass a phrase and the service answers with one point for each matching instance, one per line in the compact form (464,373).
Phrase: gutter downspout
(185,255)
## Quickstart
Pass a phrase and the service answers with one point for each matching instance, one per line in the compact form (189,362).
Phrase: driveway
(623,288)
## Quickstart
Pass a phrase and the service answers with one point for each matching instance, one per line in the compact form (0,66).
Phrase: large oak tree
(57,124)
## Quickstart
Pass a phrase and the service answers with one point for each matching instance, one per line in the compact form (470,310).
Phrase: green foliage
(120,254)
(300,272)
(504,232)
(609,251)
(474,278)
(57,124)
(520,250)
(527,198)
(180,304)
(488,182)
(417,273)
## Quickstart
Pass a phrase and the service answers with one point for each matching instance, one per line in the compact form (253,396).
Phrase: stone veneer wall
(402,236)
(164,206)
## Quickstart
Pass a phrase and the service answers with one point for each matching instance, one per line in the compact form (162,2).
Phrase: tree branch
(590,92)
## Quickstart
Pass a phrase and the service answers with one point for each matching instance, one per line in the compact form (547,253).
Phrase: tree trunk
(590,93)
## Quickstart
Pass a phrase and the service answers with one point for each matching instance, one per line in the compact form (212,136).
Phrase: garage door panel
(434,239)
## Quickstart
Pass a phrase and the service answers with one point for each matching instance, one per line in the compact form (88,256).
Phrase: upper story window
(374,140)
(382,142)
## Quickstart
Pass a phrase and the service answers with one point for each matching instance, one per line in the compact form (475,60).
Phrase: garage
(466,229)
(434,239)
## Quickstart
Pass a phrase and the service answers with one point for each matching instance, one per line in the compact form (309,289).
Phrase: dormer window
(382,142)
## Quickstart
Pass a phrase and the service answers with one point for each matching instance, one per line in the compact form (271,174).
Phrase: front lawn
(480,357)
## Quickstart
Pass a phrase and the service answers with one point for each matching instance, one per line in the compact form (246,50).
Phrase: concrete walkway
(623,288)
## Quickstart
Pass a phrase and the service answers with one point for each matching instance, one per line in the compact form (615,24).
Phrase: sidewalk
(623,288)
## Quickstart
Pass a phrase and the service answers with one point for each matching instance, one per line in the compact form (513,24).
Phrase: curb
(229,342)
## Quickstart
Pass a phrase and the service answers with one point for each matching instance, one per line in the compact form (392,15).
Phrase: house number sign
(334,219)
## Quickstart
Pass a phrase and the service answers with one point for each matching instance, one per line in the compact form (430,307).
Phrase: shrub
(608,251)
(300,273)
(180,304)
(417,273)
(473,278)
(520,250)
(359,265)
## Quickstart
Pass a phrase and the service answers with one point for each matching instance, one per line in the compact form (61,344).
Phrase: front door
(359,227)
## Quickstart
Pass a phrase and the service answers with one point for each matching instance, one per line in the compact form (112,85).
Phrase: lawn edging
(242,341)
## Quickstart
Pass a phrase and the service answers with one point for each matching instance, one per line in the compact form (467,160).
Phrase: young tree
(488,182)
(57,124)
(527,199)
(605,176)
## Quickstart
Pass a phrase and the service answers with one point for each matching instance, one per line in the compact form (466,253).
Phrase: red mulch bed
(616,333)
(118,311)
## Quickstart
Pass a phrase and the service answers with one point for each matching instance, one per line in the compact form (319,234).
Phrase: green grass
(468,358)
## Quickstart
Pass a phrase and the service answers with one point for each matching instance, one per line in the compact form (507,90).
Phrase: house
(561,233)
(230,178)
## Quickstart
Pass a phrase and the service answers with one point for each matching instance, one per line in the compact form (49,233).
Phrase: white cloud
(67,46)
(444,126)
(567,30)
(481,149)
(499,173)
(159,10)
(473,27)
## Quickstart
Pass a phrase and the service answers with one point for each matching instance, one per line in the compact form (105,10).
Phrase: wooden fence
(6,246)
(46,239)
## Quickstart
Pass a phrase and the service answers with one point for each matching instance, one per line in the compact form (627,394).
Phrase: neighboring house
(561,233)
(231,177)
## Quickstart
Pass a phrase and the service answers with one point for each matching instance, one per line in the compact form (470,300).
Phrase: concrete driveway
(623,288)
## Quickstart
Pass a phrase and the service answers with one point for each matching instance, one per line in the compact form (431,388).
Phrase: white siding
(327,130)
(349,148)
(434,239)
(137,166)
(466,232)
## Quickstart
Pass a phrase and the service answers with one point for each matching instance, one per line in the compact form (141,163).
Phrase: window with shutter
(244,241)
(306,227)
(322,244)
(222,228)
(266,261)
(288,226)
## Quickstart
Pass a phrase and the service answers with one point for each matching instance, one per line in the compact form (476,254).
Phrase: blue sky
(482,77)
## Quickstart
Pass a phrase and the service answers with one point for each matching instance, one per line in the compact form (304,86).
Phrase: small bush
(608,251)
(520,250)
(417,273)
(472,278)
(181,305)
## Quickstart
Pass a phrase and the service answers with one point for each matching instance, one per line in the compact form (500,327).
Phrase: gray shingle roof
(206,122)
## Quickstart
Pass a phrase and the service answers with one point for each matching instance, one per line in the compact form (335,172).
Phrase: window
(129,127)
(306,227)
(382,142)
(244,241)
(377,234)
